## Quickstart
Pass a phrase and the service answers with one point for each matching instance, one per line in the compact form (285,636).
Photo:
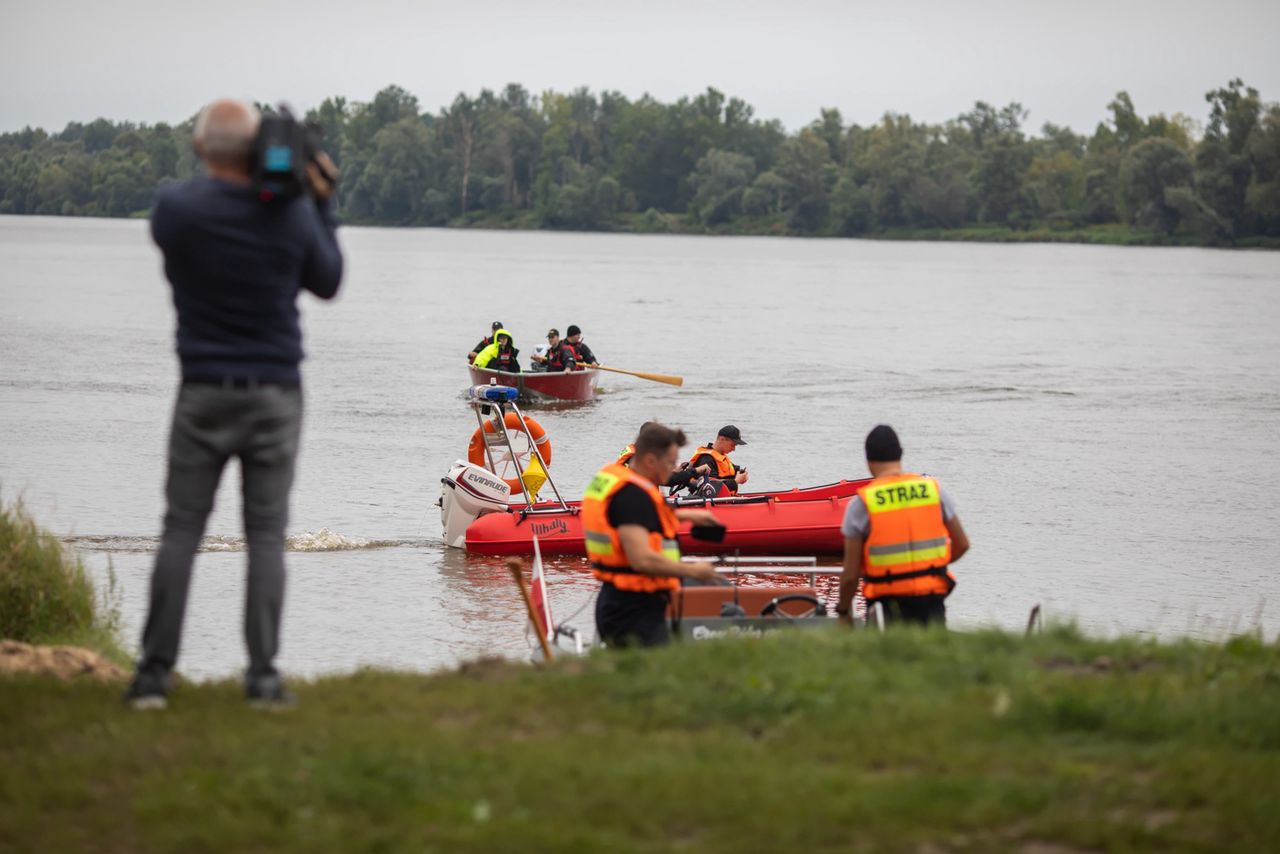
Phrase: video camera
(281,153)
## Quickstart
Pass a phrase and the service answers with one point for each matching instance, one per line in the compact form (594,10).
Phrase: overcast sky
(149,61)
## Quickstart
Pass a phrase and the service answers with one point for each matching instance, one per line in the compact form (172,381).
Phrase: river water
(1106,418)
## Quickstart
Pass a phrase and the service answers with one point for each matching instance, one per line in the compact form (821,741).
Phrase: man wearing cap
(901,532)
(574,336)
(558,356)
(484,342)
(716,457)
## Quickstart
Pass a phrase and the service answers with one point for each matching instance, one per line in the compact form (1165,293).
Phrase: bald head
(224,133)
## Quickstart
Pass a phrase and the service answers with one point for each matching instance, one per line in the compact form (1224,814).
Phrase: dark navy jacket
(236,265)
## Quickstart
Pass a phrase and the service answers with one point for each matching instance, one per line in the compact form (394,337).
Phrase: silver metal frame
(765,565)
(500,428)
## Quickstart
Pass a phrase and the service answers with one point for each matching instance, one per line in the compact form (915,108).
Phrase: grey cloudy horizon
(148,61)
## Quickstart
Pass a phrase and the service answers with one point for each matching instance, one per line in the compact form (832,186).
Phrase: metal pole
(534,448)
(493,467)
(515,459)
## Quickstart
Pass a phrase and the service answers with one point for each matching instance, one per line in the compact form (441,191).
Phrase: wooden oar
(644,375)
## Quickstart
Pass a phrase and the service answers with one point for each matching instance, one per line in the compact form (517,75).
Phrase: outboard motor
(469,492)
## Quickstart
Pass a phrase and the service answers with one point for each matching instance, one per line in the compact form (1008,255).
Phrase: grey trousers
(211,424)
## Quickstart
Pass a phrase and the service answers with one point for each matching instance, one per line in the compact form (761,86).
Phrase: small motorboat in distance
(486,512)
(542,386)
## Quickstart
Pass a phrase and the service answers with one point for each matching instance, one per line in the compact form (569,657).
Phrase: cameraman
(236,258)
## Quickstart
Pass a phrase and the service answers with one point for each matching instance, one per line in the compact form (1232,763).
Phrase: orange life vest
(908,548)
(604,546)
(625,457)
(724,466)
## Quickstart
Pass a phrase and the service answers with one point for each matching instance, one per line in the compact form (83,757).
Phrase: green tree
(460,130)
(808,174)
(1002,158)
(1223,165)
(765,194)
(1151,169)
(394,183)
(1262,200)
(719,182)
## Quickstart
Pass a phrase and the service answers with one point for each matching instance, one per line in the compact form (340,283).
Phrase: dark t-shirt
(625,616)
(631,506)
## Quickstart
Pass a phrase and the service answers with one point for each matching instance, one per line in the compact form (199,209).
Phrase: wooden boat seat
(707,601)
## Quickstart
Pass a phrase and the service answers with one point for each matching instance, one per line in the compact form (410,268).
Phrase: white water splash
(325,540)
(218,543)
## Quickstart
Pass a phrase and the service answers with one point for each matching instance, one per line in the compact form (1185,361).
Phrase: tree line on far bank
(601,161)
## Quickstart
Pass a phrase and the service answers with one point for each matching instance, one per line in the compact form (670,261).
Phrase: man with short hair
(236,263)
(558,356)
(574,336)
(630,533)
(484,342)
(715,456)
(901,532)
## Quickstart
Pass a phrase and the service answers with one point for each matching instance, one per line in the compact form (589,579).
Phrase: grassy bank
(814,741)
(47,596)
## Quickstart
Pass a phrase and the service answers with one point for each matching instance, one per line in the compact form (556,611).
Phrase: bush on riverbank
(652,222)
(46,595)
(807,741)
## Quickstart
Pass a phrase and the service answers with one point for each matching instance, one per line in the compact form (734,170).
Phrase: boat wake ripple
(323,540)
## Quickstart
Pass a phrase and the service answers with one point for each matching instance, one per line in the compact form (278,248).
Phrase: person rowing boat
(558,355)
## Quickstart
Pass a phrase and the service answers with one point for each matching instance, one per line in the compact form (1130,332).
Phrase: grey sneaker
(268,692)
(147,692)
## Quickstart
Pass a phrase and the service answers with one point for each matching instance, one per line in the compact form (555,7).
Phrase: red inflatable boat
(798,521)
(485,511)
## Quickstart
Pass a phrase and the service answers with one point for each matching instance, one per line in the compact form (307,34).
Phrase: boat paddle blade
(669,379)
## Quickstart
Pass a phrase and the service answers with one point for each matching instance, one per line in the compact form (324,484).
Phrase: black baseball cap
(732,433)
(497,324)
(883,445)
(555,332)
(572,331)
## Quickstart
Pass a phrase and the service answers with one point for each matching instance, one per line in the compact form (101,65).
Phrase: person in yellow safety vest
(630,534)
(501,355)
(901,532)
(716,457)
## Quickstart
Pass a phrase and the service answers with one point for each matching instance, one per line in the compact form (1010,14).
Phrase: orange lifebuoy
(537,437)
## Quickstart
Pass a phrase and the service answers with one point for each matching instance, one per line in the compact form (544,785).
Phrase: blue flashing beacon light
(496,393)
